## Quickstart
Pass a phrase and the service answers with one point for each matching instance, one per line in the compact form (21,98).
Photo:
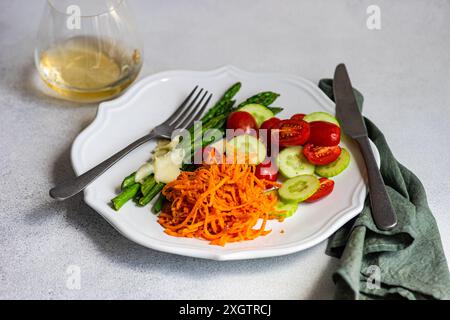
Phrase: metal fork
(184,117)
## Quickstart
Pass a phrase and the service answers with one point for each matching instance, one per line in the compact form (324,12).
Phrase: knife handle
(382,211)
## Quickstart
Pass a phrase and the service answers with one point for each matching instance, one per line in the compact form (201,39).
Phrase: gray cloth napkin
(407,262)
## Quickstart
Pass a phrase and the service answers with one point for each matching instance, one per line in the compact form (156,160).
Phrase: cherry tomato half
(242,120)
(267,171)
(321,156)
(298,117)
(326,188)
(294,133)
(324,134)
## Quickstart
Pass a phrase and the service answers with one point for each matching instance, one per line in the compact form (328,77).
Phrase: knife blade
(347,110)
(353,125)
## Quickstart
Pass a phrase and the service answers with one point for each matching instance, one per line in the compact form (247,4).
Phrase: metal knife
(353,125)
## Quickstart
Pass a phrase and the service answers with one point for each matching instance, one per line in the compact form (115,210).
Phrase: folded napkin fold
(407,262)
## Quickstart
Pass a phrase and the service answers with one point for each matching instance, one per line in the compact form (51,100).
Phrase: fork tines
(190,110)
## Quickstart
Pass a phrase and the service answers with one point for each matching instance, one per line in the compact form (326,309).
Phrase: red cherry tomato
(268,137)
(294,133)
(267,171)
(324,134)
(242,120)
(298,117)
(326,188)
(321,156)
(273,123)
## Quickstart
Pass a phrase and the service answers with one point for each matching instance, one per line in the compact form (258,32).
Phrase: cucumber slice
(247,149)
(299,189)
(321,116)
(292,163)
(335,168)
(259,112)
(288,208)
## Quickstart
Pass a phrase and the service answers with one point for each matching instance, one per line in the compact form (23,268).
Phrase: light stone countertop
(402,69)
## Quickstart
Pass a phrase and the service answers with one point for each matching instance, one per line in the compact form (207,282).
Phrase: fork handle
(382,211)
(74,186)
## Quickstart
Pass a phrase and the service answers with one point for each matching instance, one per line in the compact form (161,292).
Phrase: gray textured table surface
(402,69)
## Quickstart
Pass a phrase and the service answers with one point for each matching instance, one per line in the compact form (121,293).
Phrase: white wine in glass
(88,50)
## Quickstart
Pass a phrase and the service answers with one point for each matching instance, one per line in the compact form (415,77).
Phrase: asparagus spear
(275,110)
(127,194)
(128,181)
(148,185)
(157,208)
(223,104)
(263,98)
(137,197)
(151,195)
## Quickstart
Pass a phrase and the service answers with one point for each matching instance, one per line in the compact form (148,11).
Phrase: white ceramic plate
(151,101)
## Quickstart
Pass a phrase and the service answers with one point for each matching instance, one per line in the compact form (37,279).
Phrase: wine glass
(88,50)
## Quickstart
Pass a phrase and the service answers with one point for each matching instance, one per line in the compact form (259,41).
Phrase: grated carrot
(220,203)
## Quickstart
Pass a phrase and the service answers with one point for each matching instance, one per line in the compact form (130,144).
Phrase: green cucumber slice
(247,149)
(289,208)
(259,112)
(321,116)
(299,189)
(335,168)
(292,163)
